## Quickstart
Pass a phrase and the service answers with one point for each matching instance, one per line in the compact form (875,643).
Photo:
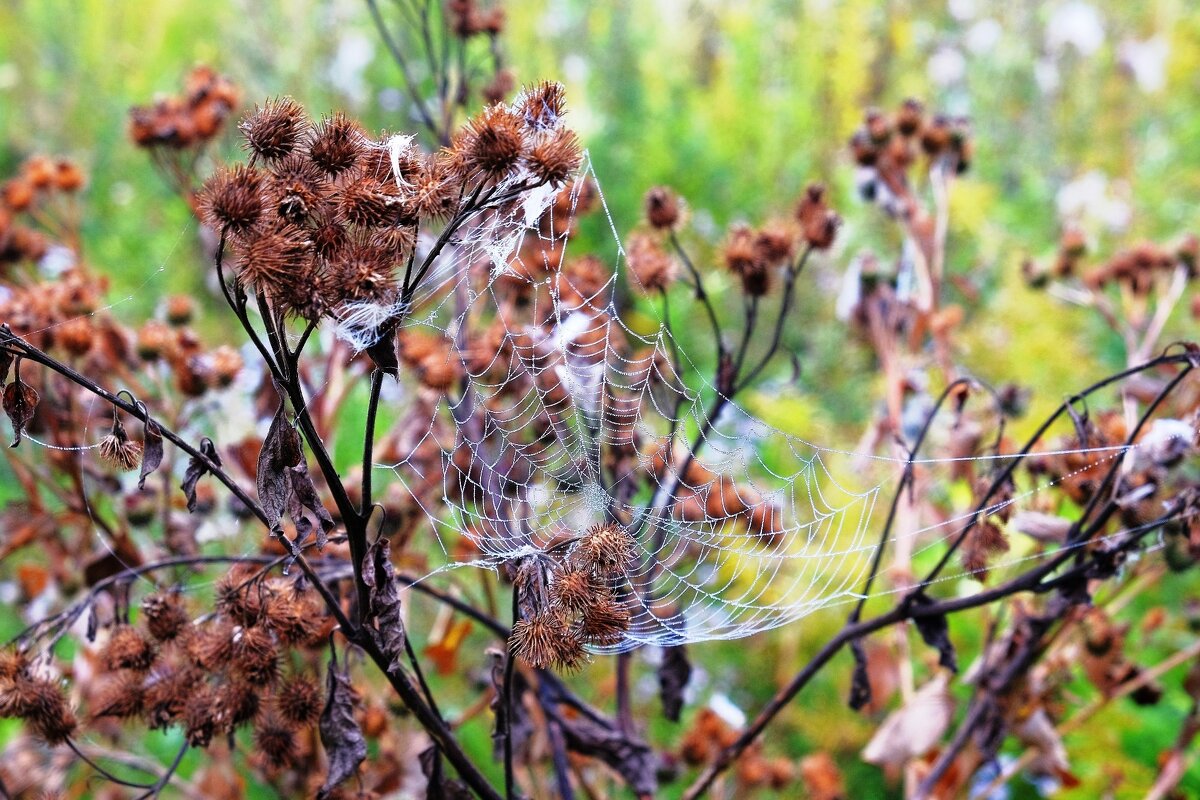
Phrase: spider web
(525,468)
(758,529)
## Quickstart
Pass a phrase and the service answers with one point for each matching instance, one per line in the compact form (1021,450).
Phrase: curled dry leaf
(152,451)
(280,450)
(20,401)
(935,632)
(915,728)
(345,746)
(197,469)
(385,612)
(673,675)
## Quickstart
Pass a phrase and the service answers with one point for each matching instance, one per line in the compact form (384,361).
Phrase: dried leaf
(20,401)
(197,469)
(673,675)
(6,361)
(631,758)
(380,577)
(280,450)
(383,352)
(152,451)
(345,746)
(936,633)
(860,681)
(306,495)
(437,785)
(914,729)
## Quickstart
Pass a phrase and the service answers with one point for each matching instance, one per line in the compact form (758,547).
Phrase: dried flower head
(542,106)
(127,648)
(41,704)
(741,254)
(546,640)
(555,157)
(255,655)
(273,130)
(492,142)
(651,266)
(337,144)
(238,702)
(165,615)
(818,224)
(117,450)
(232,199)
(574,588)
(299,701)
(605,621)
(606,548)
(662,208)
(121,696)
(201,715)
(275,743)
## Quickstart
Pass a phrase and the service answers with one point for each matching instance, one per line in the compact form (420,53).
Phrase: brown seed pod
(121,696)
(255,655)
(574,588)
(337,144)
(299,700)
(555,157)
(545,640)
(606,548)
(232,199)
(605,621)
(165,615)
(662,208)
(275,129)
(127,648)
(275,743)
(493,142)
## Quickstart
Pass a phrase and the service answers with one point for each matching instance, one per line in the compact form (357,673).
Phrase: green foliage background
(737,105)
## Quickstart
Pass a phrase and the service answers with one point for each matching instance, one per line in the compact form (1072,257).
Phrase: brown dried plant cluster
(324,221)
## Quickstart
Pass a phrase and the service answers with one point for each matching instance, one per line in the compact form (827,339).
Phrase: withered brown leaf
(673,675)
(197,469)
(380,577)
(344,743)
(20,401)
(152,451)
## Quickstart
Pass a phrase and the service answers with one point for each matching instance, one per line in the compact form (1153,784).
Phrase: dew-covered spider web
(564,415)
(552,400)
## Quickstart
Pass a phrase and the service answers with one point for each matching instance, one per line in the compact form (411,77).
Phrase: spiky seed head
(127,648)
(298,700)
(546,640)
(275,743)
(605,621)
(337,144)
(274,130)
(574,588)
(607,548)
(255,655)
(542,106)
(232,199)
(165,615)
(556,157)
(493,142)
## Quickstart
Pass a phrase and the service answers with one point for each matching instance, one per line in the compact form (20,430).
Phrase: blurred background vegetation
(1082,111)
